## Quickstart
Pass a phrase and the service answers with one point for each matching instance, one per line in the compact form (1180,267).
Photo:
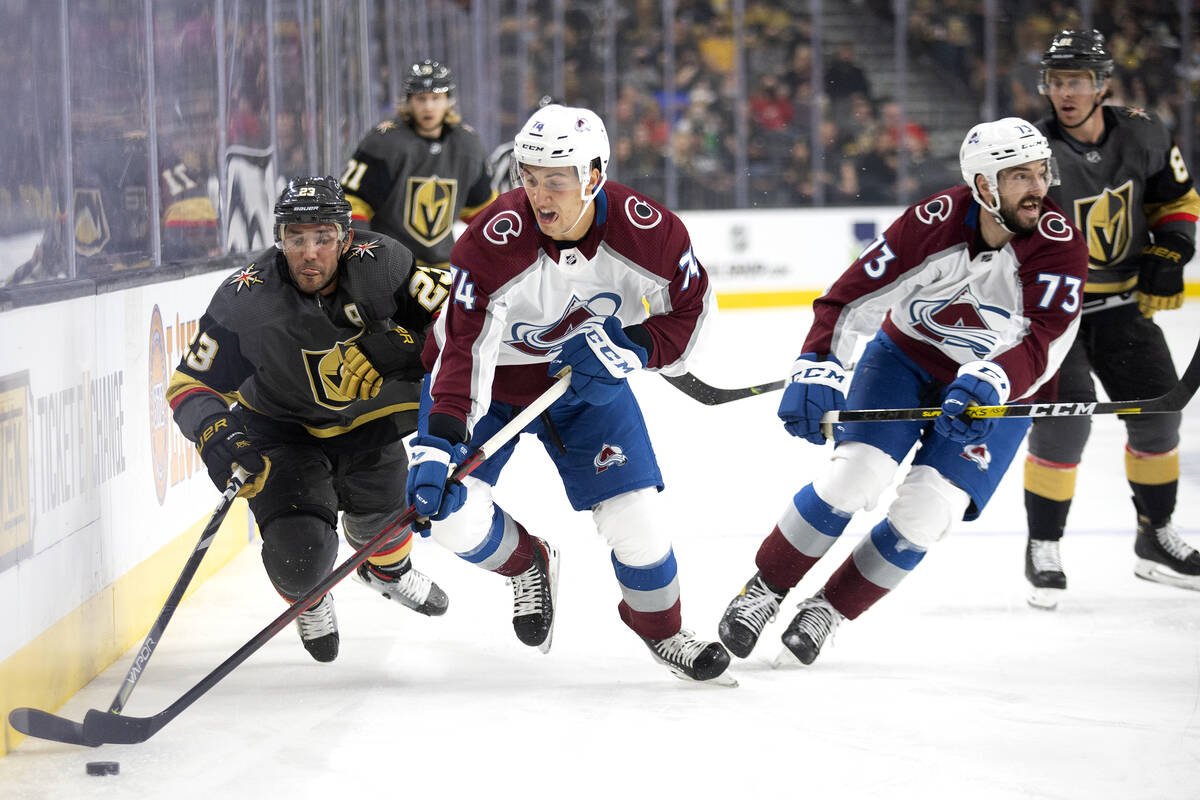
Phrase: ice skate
(1043,570)
(692,659)
(1163,557)
(534,594)
(405,585)
(747,615)
(318,629)
(808,630)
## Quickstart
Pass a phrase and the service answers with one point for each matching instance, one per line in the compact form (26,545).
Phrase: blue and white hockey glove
(431,463)
(982,383)
(816,387)
(601,357)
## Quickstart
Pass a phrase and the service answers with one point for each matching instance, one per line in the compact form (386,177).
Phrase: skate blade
(1043,598)
(1157,573)
(786,659)
(552,554)
(724,679)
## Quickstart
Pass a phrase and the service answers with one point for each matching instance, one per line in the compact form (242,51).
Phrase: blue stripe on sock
(819,514)
(895,548)
(491,543)
(647,578)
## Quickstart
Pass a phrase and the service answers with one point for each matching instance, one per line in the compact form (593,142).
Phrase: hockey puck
(103,767)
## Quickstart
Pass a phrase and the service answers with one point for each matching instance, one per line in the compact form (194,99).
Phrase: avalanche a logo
(957,322)
(610,455)
(160,440)
(978,454)
(538,339)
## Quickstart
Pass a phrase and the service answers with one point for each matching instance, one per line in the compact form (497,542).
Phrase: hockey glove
(1160,280)
(430,466)
(223,442)
(601,357)
(369,360)
(981,383)
(815,387)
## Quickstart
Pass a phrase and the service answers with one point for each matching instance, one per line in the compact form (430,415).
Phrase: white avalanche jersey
(516,297)
(945,300)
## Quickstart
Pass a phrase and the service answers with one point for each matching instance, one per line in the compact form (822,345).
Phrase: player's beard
(1009,213)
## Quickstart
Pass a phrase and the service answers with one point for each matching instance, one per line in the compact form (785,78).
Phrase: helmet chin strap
(1095,106)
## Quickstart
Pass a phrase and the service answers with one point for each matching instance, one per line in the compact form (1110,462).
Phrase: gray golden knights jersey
(1133,183)
(413,189)
(277,352)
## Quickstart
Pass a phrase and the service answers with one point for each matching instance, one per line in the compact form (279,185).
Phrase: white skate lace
(1043,553)
(318,620)
(682,648)
(415,585)
(1170,541)
(818,619)
(757,606)
(527,591)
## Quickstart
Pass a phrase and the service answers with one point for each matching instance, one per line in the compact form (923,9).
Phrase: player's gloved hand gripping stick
(105,727)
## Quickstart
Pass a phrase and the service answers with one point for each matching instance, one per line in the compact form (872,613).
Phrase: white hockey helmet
(993,146)
(563,136)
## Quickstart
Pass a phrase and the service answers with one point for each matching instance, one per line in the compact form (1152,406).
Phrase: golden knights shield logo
(91,224)
(429,208)
(1107,224)
(325,375)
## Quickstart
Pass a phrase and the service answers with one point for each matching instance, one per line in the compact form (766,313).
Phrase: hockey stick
(44,725)
(1175,399)
(700,391)
(100,727)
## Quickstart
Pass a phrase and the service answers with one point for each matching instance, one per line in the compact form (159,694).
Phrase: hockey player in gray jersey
(1126,186)
(305,372)
(413,175)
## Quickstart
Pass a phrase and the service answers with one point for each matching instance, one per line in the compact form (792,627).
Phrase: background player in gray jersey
(413,175)
(1126,186)
(306,344)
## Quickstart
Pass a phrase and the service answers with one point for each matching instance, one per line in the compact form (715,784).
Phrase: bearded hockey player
(305,372)
(978,290)
(1124,183)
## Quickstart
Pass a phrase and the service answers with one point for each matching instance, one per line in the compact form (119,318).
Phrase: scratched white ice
(951,687)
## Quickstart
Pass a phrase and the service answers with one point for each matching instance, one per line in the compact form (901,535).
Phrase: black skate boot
(534,594)
(1043,570)
(1163,557)
(747,615)
(692,659)
(406,585)
(808,630)
(318,630)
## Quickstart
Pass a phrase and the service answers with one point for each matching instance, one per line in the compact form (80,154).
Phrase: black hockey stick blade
(102,727)
(700,391)
(1176,398)
(44,725)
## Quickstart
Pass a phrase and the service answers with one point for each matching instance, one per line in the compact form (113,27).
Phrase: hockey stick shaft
(43,725)
(702,392)
(1174,400)
(103,728)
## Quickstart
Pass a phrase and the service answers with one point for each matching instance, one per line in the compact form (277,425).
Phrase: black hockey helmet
(312,199)
(1079,50)
(428,76)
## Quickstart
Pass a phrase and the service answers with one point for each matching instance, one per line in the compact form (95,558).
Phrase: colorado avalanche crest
(539,339)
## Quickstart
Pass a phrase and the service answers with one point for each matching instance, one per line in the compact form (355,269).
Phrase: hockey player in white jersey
(574,270)
(978,290)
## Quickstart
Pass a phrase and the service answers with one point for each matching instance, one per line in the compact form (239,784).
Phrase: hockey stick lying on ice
(44,725)
(101,727)
(1174,400)
(698,390)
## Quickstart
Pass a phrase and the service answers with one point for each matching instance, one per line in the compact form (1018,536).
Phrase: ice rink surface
(950,687)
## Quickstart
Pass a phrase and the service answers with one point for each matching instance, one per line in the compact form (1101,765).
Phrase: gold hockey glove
(369,360)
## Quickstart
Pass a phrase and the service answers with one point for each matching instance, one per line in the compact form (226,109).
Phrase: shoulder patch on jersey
(503,228)
(386,125)
(1139,113)
(363,249)
(642,214)
(245,279)
(935,210)
(1054,226)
